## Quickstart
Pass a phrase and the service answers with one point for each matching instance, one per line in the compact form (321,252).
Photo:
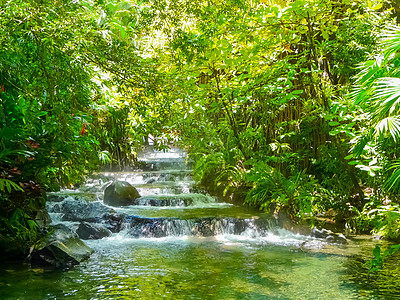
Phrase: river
(193,246)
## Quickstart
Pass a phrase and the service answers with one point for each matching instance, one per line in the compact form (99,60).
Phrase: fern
(7,184)
(104,157)
(272,187)
(231,177)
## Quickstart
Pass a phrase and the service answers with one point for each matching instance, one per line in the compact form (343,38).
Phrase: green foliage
(393,182)
(50,57)
(377,262)
(377,218)
(47,92)
(113,131)
(218,172)
(8,185)
(377,94)
(273,96)
(18,228)
(254,89)
(298,193)
(17,232)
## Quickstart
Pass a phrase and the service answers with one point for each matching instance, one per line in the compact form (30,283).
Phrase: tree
(265,83)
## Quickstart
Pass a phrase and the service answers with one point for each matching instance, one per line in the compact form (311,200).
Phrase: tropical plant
(297,194)
(377,262)
(377,93)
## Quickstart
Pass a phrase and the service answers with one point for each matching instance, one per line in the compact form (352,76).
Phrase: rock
(320,233)
(75,210)
(92,212)
(336,239)
(54,197)
(156,227)
(42,218)
(173,200)
(120,193)
(328,235)
(61,196)
(167,177)
(204,227)
(61,248)
(162,201)
(87,231)
(151,180)
(113,222)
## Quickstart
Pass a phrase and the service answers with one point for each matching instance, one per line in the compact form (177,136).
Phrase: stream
(179,243)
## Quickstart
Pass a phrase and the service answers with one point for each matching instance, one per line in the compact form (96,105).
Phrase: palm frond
(360,145)
(369,71)
(359,94)
(391,40)
(393,182)
(6,153)
(387,96)
(388,125)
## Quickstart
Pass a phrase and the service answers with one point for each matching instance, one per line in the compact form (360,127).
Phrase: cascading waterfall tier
(202,227)
(168,207)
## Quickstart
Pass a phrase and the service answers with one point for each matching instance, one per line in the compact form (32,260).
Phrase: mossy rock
(88,231)
(61,248)
(120,193)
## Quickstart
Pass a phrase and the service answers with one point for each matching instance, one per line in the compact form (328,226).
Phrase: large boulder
(88,231)
(61,248)
(76,210)
(120,193)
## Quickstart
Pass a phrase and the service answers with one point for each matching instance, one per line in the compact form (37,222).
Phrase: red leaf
(83,131)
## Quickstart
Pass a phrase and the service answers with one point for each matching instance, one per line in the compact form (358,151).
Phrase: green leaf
(334,132)
(377,252)
(349,156)
(6,184)
(297,92)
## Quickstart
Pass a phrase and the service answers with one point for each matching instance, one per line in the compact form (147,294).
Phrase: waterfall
(169,206)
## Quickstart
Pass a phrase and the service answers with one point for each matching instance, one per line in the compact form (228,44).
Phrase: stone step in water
(91,219)
(164,164)
(158,160)
(255,228)
(181,200)
(143,177)
(173,188)
(171,153)
(151,177)
(139,227)
(217,210)
(173,182)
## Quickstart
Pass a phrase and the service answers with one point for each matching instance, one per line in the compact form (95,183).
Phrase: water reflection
(205,268)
